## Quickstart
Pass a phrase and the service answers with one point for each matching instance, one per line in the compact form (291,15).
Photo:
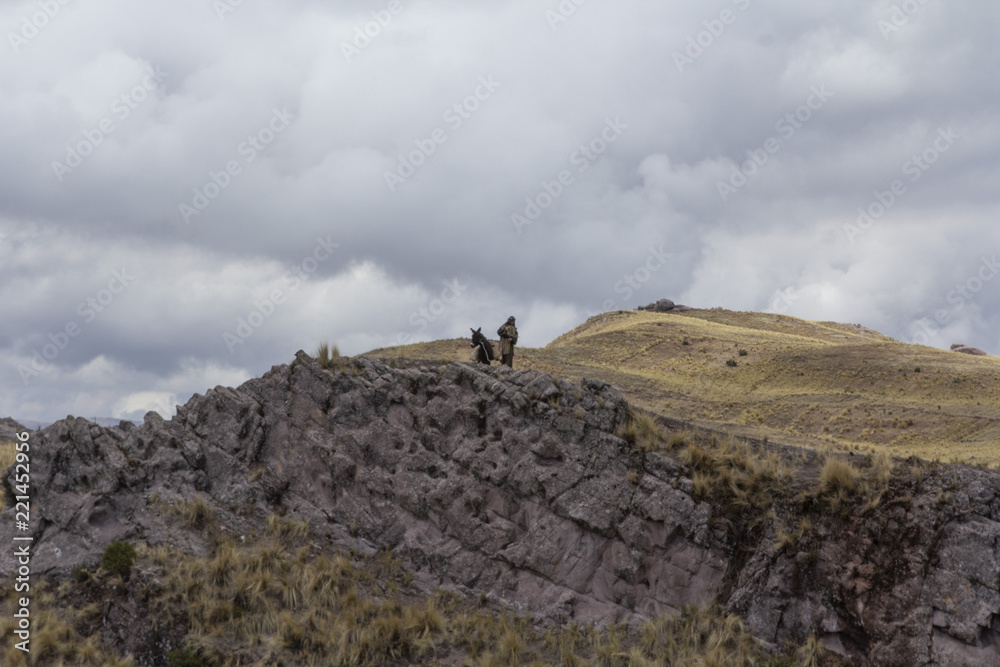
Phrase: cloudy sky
(192,190)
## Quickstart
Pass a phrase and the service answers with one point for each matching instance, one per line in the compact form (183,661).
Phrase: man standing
(508,339)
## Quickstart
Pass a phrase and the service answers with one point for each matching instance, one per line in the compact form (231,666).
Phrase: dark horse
(484,349)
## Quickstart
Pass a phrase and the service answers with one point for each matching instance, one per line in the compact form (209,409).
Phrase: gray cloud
(278,124)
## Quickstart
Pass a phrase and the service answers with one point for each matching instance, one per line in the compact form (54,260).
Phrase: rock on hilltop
(665,306)
(515,484)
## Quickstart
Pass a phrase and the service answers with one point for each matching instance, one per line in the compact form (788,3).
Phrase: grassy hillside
(815,384)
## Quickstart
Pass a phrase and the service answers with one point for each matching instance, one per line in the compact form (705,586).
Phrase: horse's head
(477,335)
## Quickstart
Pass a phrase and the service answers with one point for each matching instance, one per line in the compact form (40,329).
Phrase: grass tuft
(327,354)
(642,430)
(838,476)
(194,513)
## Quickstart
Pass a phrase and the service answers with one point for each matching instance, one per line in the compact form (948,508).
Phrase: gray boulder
(661,306)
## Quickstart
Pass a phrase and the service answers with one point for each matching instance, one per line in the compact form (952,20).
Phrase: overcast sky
(192,190)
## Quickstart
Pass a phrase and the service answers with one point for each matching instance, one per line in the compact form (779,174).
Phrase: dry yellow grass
(814,384)
(278,600)
(8,453)
(54,641)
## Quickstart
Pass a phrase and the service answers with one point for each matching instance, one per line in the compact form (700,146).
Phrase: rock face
(966,349)
(508,483)
(514,484)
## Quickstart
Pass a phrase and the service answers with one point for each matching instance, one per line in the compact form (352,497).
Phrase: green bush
(184,657)
(731,362)
(743,353)
(118,558)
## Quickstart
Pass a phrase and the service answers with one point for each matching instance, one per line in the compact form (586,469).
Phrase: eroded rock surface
(507,483)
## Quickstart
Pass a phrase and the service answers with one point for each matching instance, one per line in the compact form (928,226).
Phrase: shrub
(731,362)
(184,657)
(80,574)
(743,353)
(118,558)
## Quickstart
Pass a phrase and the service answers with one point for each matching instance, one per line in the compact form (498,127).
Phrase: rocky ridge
(517,485)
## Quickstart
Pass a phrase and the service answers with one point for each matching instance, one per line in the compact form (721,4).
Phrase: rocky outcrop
(507,483)
(967,349)
(515,485)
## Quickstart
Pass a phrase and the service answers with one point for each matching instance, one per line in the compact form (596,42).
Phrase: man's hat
(510,319)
